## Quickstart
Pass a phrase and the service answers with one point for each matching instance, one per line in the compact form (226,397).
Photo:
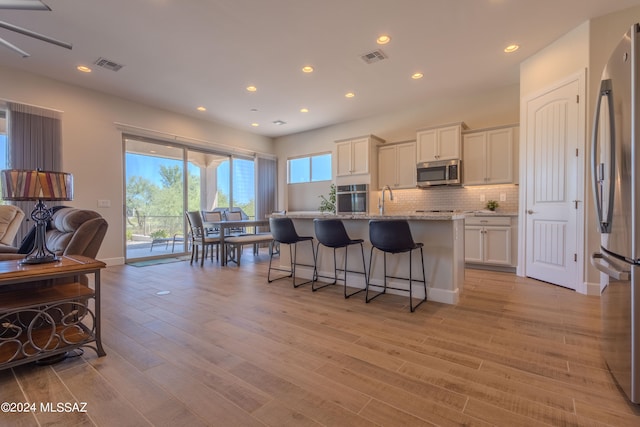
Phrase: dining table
(224,228)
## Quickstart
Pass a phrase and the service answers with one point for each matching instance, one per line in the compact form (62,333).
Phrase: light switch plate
(482,197)
(503,197)
(104,203)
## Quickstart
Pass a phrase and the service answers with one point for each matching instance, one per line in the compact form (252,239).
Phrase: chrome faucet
(381,201)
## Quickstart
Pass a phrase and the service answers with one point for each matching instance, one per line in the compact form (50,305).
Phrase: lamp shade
(25,185)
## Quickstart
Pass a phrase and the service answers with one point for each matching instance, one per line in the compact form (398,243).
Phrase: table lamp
(40,186)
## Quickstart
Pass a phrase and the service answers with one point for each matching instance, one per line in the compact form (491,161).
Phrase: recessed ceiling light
(201,108)
(349,95)
(417,76)
(307,69)
(511,48)
(304,110)
(252,88)
(383,39)
(83,69)
(255,125)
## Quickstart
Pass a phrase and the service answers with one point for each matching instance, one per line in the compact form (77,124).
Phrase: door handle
(530,212)
(598,170)
(610,268)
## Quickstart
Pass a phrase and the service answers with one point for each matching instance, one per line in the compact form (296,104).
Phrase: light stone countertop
(413,216)
(410,216)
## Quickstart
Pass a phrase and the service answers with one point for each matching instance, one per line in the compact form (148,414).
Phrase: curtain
(35,141)
(266,187)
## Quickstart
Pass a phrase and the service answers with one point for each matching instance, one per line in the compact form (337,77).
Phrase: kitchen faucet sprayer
(381,202)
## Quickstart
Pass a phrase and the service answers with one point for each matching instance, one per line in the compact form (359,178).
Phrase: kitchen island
(442,234)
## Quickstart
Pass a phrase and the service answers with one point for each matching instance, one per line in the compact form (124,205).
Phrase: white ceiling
(179,54)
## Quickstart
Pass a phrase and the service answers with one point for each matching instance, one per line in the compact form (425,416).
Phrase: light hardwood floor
(225,348)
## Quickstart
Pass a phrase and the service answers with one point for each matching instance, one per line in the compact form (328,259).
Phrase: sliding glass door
(154,199)
(158,192)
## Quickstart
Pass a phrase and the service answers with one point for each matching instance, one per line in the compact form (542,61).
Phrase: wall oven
(352,199)
(442,172)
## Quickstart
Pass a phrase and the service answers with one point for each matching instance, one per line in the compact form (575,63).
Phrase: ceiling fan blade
(14,48)
(35,35)
(23,5)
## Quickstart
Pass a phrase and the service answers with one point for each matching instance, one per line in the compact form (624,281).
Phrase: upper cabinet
(440,143)
(490,156)
(357,158)
(396,165)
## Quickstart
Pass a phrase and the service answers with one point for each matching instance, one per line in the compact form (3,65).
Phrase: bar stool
(284,232)
(394,237)
(332,234)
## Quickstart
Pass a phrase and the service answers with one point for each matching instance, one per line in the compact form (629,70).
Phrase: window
(156,195)
(310,169)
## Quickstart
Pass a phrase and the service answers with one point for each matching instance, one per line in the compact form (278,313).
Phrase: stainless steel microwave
(442,172)
(352,199)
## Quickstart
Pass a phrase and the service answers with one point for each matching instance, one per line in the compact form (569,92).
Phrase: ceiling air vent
(375,56)
(108,64)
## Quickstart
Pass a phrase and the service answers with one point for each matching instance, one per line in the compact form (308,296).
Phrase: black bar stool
(394,237)
(284,232)
(332,234)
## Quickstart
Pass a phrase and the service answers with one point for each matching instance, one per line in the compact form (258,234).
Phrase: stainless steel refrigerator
(615,157)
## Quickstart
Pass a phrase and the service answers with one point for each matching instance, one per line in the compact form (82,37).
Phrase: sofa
(10,219)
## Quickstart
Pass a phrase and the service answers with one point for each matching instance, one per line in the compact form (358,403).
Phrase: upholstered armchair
(10,219)
(71,232)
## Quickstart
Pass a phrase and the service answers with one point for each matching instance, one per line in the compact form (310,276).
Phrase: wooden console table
(40,316)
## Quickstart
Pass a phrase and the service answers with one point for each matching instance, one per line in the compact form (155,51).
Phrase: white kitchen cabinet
(490,156)
(439,143)
(355,156)
(490,241)
(397,165)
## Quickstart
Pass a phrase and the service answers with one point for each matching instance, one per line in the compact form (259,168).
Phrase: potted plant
(329,204)
(492,205)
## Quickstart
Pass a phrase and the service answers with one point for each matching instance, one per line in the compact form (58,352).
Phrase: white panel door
(552,175)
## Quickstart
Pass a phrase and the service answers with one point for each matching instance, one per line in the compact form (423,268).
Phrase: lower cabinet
(490,241)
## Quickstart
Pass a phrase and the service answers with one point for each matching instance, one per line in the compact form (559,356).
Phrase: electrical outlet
(104,203)
(482,197)
(503,197)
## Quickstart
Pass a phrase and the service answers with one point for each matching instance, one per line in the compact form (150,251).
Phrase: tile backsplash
(456,198)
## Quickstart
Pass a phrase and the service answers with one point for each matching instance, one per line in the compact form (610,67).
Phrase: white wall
(478,110)
(92,145)
(564,57)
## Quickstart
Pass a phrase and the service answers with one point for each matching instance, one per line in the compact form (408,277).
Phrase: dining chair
(200,239)
(235,216)
(212,216)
